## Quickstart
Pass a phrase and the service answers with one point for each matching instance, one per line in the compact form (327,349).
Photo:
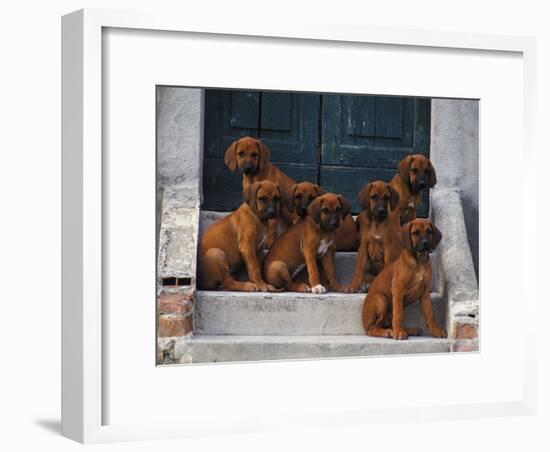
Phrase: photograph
(330,225)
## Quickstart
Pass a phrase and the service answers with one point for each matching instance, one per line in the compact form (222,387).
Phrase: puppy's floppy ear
(436,237)
(230,157)
(404,168)
(432,178)
(405,236)
(265,155)
(345,205)
(314,210)
(319,190)
(364,197)
(249,195)
(290,203)
(394,197)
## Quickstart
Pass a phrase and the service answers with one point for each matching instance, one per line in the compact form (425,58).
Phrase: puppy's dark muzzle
(302,211)
(420,184)
(424,245)
(380,212)
(248,168)
(270,212)
(333,224)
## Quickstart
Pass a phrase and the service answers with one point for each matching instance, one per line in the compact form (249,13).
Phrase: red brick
(174,325)
(175,303)
(465,331)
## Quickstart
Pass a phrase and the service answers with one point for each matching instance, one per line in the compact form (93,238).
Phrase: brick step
(207,349)
(291,313)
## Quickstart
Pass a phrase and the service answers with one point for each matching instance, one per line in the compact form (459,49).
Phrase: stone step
(291,313)
(208,349)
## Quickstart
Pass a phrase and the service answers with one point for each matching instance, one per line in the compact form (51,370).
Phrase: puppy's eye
(373,196)
(429,231)
(325,210)
(414,170)
(386,197)
(276,199)
(254,155)
(298,196)
(240,153)
(263,198)
(338,209)
(417,232)
(310,198)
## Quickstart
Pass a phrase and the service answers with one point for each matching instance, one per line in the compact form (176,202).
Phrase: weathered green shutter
(286,122)
(365,137)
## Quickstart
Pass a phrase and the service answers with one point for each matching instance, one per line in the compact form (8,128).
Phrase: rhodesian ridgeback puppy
(251,156)
(237,239)
(378,232)
(306,242)
(414,174)
(299,197)
(403,282)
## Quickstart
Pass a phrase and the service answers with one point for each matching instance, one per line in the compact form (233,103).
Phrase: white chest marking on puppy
(411,205)
(377,237)
(323,247)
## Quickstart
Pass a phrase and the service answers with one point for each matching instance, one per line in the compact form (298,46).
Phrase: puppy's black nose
(334,224)
(302,211)
(380,211)
(422,184)
(424,244)
(270,212)
(248,168)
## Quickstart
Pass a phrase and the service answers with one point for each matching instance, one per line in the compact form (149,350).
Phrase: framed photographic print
(266,215)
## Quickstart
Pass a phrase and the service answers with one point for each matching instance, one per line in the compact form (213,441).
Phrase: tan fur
(378,233)
(411,170)
(402,282)
(304,244)
(236,240)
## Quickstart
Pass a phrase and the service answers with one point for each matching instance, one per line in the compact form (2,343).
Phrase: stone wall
(455,155)
(179,158)
(455,209)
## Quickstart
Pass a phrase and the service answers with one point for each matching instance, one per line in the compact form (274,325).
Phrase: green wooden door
(341,142)
(365,137)
(287,122)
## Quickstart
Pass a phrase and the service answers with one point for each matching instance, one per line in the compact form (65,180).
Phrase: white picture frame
(87,394)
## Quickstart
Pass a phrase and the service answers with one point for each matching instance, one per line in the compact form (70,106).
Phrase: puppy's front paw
(318,289)
(438,332)
(351,289)
(251,287)
(399,334)
(304,288)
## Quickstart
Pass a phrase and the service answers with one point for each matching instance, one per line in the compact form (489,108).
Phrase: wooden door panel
(365,137)
(286,122)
